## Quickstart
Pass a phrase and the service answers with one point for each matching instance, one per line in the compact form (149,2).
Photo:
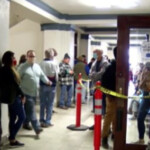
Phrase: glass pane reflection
(139,54)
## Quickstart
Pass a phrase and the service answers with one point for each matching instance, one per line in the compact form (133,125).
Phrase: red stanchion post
(78,104)
(78,125)
(97,117)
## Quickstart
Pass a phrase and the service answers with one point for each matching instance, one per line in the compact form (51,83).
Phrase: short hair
(98,50)
(30,51)
(51,52)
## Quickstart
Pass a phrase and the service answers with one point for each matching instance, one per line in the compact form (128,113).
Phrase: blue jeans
(31,112)
(47,95)
(66,90)
(143,111)
(16,117)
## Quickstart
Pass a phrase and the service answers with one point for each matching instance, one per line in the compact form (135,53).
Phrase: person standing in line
(82,68)
(109,82)
(22,59)
(47,93)
(31,74)
(9,78)
(66,83)
(96,72)
(144,108)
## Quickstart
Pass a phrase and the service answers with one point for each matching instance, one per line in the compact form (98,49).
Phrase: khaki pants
(109,116)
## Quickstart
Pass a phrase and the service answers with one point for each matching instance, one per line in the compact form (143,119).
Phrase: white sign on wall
(146,51)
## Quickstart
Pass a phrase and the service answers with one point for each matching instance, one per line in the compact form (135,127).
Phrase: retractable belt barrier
(78,126)
(113,93)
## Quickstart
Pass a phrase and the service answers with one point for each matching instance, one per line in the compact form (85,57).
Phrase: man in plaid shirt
(66,82)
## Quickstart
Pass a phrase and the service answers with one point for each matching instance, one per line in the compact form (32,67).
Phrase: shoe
(92,111)
(105,143)
(91,128)
(112,136)
(44,125)
(140,141)
(133,118)
(49,125)
(27,127)
(54,111)
(38,131)
(84,102)
(16,143)
(72,106)
(63,107)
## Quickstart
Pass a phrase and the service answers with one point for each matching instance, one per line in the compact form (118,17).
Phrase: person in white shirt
(47,93)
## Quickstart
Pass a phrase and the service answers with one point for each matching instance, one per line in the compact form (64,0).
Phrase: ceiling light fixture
(111,3)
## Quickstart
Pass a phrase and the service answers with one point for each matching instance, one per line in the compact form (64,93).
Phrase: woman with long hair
(10,78)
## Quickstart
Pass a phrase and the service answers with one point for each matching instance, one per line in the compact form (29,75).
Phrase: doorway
(126,24)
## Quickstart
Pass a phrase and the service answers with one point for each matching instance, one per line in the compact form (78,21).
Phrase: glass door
(132,53)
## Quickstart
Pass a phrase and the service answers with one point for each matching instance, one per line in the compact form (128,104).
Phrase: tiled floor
(59,137)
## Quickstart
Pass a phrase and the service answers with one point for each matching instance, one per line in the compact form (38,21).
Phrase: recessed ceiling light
(111,3)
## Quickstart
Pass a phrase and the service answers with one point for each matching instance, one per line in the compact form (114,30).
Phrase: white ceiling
(18,12)
(76,7)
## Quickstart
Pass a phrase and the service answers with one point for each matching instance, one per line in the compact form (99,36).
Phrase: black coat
(109,77)
(9,88)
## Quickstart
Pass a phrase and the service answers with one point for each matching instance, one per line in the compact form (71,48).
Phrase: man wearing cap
(47,93)
(66,82)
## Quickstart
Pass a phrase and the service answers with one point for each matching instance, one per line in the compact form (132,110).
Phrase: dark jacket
(82,68)
(9,88)
(109,77)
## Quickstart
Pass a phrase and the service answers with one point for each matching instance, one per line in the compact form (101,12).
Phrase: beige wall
(62,41)
(24,36)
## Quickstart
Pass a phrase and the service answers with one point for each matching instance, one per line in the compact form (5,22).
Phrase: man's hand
(71,72)
(49,83)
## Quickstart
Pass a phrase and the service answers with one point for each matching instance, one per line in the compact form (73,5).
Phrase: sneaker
(27,127)
(140,141)
(72,106)
(63,107)
(46,125)
(43,125)
(16,143)
(38,131)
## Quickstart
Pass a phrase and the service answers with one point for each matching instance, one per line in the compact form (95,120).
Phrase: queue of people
(28,79)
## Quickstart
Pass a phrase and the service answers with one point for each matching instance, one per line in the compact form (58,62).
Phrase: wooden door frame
(125,23)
